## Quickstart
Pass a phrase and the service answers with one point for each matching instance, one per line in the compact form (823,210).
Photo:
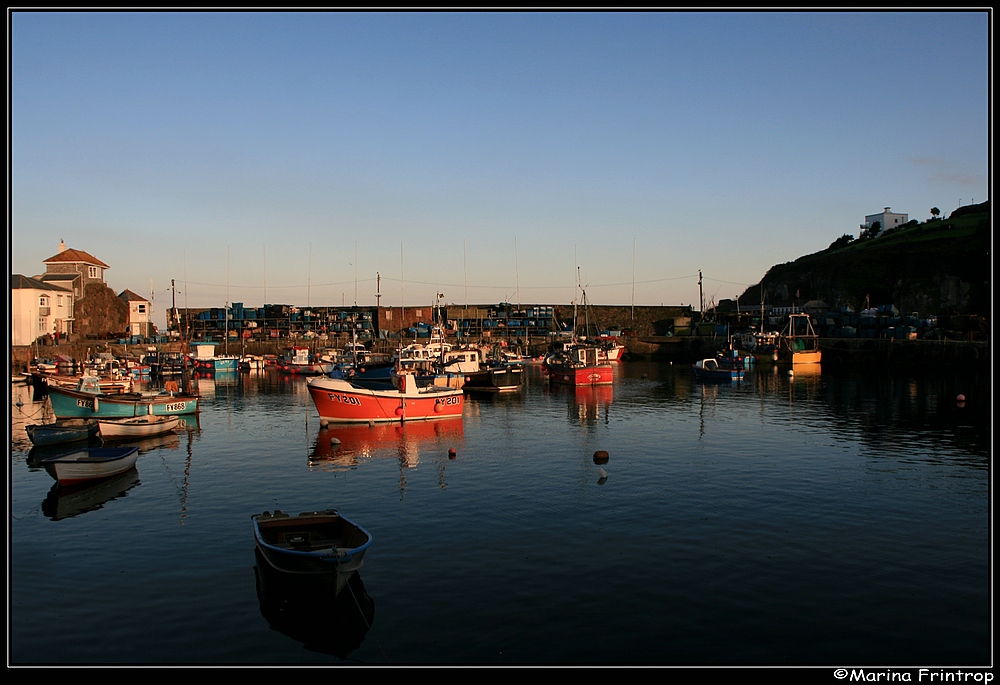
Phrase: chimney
(62,245)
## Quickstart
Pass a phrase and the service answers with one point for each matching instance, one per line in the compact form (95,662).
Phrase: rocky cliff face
(100,314)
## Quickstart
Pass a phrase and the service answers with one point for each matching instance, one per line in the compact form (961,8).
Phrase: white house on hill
(886,219)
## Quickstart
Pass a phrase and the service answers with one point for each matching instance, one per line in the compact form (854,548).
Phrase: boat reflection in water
(66,502)
(586,402)
(306,608)
(169,441)
(344,445)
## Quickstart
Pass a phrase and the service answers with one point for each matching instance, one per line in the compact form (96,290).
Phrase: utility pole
(701,295)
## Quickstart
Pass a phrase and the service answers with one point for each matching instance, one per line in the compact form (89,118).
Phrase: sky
(295,158)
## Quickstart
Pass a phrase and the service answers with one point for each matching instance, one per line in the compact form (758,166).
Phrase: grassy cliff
(941,266)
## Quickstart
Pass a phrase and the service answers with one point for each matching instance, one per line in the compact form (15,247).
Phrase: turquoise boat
(87,401)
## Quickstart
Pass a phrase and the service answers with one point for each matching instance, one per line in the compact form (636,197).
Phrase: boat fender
(334,441)
(438,407)
(96,404)
(601,457)
(452,453)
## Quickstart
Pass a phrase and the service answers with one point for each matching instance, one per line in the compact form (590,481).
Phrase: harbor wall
(836,351)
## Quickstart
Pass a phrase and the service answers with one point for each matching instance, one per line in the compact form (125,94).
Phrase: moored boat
(107,385)
(314,542)
(62,431)
(500,378)
(798,343)
(138,427)
(207,361)
(578,364)
(90,464)
(340,401)
(711,370)
(300,361)
(86,401)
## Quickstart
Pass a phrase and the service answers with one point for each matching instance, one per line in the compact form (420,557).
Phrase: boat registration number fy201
(345,399)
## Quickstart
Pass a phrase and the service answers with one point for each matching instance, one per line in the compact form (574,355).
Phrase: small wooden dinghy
(62,431)
(90,464)
(138,427)
(314,542)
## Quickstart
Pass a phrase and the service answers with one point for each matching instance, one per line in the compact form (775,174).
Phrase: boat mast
(227,302)
(575,294)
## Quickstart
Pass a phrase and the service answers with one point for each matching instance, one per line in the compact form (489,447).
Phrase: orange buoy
(601,457)
(451,453)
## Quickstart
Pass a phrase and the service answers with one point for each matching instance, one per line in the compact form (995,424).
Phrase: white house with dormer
(37,309)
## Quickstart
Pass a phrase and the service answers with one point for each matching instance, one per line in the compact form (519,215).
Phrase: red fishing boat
(339,401)
(578,364)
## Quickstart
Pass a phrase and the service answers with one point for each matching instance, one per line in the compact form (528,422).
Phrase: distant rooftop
(19,282)
(130,296)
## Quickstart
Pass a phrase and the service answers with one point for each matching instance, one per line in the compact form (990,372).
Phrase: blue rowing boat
(314,542)
(62,431)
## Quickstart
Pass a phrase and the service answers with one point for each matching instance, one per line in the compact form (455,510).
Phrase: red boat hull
(339,401)
(581,375)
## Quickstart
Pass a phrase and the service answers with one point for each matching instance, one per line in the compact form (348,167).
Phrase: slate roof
(19,282)
(130,296)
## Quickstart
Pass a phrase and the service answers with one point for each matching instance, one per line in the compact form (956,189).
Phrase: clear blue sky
(482,156)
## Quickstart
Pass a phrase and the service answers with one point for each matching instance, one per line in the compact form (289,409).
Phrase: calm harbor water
(827,518)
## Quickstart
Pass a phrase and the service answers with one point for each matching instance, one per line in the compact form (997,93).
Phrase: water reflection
(344,446)
(586,404)
(306,608)
(24,411)
(63,502)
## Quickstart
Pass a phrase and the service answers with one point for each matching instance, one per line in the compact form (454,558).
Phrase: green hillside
(941,266)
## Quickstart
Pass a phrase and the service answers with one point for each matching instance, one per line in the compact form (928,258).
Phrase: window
(43,301)
(142,309)
(388,315)
(59,300)
(41,325)
(93,272)
(420,313)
